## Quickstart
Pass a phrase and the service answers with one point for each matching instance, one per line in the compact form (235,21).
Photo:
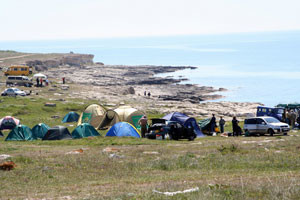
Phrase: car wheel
(191,138)
(271,132)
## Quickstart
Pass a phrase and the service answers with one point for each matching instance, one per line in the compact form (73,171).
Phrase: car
(160,128)
(265,125)
(13,92)
(19,80)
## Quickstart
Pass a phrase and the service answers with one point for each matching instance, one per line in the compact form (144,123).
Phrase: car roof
(261,117)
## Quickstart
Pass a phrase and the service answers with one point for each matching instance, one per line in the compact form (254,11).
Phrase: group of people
(236,129)
(145,94)
(39,82)
(291,116)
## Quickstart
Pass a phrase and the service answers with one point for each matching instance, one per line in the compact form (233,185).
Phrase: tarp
(84,130)
(40,130)
(129,114)
(8,122)
(57,133)
(70,117)
(184,120)
(123,129)
(20,133)
(98,116)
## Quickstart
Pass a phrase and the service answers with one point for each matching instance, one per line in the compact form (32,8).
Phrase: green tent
(84,130)
(204,124)
(20,133)
(40,130)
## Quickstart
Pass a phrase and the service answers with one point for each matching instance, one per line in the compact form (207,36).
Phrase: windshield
(272,120)
(16,90)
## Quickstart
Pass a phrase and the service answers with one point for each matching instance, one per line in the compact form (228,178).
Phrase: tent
(84,130)
(40,130)
(39,75)
(129,114)
(8,122)
(123,129)
(20,133)
(98,116)
(57,133)
(205,126)
(185,120)
(70,117)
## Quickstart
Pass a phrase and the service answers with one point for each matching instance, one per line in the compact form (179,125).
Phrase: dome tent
(8,122)
(57,133)
(129,114)
(185,121)
(70,117)
(98,116)
(20,133)
(123,129)
(40,130)
(84,130)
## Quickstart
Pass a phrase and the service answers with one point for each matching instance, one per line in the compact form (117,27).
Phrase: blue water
(255,67)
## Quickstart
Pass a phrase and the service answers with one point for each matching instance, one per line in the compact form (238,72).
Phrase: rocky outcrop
(77,60)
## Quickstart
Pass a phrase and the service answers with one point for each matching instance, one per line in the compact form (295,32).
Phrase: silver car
(265,125)
(13,92)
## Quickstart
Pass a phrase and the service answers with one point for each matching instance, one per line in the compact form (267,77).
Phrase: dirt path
(14,57)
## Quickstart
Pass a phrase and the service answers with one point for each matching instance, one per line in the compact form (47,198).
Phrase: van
(19,80)
(18,70)
(271,112)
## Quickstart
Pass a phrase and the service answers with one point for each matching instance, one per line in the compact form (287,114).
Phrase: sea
(255,67)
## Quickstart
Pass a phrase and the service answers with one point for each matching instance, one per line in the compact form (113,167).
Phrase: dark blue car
(271,112)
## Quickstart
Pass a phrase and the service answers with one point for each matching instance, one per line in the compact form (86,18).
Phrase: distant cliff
(71,59)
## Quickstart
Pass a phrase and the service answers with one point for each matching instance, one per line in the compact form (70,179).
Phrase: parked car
(160,128)
(13,92)
(19,80)
(265,125)
(269,111)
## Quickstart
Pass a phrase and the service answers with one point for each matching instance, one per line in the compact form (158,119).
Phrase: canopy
(39,75)
(84,130)
(8,122)
(57,133)
(123,129)
(129,114)
(184,120)
(20,133)
(70,117)
(40,130)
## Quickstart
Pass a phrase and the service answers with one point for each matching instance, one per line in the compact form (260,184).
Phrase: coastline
(112,84)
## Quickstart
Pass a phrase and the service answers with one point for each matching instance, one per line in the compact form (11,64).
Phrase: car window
(11,78)
(9,90)
(259,121)
(272,120)
(250,121)
(16,89)
(19,78)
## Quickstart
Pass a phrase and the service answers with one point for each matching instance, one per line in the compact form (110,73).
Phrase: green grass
(222,168)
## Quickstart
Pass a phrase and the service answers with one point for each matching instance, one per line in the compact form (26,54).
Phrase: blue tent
(123,129)
(185,121)
(40,130)
(70,117)
(84,130)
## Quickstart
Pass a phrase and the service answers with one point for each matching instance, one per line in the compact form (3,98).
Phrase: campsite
(137,168)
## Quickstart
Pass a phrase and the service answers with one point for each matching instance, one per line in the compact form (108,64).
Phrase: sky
(80,19)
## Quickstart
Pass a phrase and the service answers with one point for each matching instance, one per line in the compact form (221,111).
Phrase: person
(41,82)
(235,127)
(284,116)
(222,123)
(212,123)
(293,117)
(47,82)
(149,94)
(63,80)
(143,122)
(37,82)
(145,93)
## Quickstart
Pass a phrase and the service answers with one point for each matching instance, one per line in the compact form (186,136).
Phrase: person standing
(41,82)
(222,124)
(143,122)
(37,82)
(235,126)
(212,123)
(149,94)
(63,80)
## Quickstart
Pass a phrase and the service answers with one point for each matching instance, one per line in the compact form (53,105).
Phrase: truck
(270,111)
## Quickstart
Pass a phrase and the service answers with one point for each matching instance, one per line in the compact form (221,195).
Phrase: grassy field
(221,168)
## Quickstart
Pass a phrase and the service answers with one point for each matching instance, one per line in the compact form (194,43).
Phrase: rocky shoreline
(112,84)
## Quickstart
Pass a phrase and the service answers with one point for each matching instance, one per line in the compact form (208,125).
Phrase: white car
(265,125)
(13,92)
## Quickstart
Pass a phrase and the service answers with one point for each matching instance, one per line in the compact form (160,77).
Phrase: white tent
(39,75)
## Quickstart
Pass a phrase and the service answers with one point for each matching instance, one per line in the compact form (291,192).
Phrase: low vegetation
(130,168)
